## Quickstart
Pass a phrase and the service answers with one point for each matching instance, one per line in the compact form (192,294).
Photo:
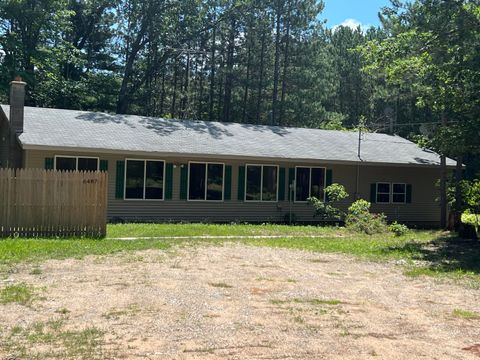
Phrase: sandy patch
(237,302)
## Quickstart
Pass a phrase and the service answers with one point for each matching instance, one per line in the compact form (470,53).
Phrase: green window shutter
(241,183)
(329,177)
(183,182)
(228,183)
(373,193)
(409,194)
(168,181)
(103,165)
(281,185)
(291,178)
(120,179)
(48,163)
(328,181)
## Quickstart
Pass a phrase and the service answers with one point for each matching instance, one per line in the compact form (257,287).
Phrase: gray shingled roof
(71,129)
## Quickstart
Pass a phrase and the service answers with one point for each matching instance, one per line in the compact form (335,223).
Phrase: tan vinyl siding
(423,210)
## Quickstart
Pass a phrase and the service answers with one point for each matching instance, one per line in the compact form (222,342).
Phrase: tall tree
(431,48)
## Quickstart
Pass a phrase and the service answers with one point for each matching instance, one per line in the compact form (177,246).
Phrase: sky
(352,12)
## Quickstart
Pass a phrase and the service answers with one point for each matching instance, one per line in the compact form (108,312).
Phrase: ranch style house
(172,170)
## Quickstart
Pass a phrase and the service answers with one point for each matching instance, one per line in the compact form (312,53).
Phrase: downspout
(357,183)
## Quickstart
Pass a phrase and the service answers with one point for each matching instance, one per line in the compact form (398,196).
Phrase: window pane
(154,180)
(64,163)
(318,183)
(215,182)
(134,179)
(87,164)
(383,188)
(383,198)
(398,198)
(254,179)
(196,189)
(269,183)
(303,184)
(399,188)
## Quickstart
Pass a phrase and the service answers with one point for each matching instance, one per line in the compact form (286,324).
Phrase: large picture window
(144,179)
(205,181)
(309,181)
(72,163)
(261,183)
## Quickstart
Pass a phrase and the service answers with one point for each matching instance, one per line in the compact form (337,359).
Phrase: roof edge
(219,156)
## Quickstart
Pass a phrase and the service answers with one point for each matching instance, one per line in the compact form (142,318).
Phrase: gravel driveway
(236,302)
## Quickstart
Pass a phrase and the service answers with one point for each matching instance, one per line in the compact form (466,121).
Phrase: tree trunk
(285,68)
(173,108)
(247,82)
(443,185)
(162,95)
(227,100)
(276,70)
(123,98)
(201,89)
(457,215)
(186,89)
(220,87)
(260,81)
(212,76)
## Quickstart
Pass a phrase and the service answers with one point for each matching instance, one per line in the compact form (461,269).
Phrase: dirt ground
(235,302)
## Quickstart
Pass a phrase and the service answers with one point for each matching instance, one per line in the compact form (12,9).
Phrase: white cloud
(352,24)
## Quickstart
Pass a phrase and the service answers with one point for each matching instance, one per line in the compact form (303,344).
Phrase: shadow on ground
(445,254)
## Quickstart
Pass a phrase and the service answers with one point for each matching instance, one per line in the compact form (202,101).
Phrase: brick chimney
(17,104)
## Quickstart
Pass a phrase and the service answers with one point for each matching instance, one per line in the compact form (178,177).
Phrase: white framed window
(206,181)
(383,193)
(76,163)
(144,179)
(399,193)
(309,182)
(261,183)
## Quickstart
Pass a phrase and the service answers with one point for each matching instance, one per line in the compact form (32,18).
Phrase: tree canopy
(254,61)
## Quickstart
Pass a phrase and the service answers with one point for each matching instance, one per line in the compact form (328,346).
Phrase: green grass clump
(221,285)
(50,340)
(466,314)
(319,301)
(306,301)
(20,293)
(36,271)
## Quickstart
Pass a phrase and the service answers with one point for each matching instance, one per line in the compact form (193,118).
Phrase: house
(162,169)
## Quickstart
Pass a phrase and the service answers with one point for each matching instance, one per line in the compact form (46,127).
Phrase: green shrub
(360,219)
(398,229)
(324,209)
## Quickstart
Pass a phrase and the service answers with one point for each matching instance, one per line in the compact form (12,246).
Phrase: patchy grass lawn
(19,250)
(21,294)
(234,301)
(162,230)
(59,342)
(424,253)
